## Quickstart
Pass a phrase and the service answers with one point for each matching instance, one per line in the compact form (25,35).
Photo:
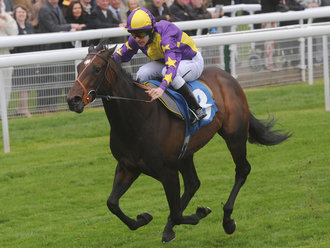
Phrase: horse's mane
(128,77)
(104,44)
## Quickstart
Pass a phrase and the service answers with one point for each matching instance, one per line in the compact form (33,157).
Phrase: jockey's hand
(155,93)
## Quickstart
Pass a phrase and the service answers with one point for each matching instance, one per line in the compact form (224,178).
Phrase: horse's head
(93,77)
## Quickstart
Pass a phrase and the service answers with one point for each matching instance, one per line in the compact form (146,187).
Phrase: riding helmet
(140,20)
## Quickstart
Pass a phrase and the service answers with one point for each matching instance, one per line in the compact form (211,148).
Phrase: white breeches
(188,70)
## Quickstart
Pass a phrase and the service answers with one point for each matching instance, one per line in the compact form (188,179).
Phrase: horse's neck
(127,119)
(124,86)
(124,115)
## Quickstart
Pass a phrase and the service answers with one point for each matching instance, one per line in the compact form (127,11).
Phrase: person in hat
(175,57)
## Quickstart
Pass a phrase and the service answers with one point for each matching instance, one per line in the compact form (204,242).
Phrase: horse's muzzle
(76,104)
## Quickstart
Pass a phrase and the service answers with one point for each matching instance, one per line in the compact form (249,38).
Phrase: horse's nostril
(75,104)
(75,99)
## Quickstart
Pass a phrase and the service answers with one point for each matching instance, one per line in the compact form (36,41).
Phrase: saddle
(177,105)
(167,100)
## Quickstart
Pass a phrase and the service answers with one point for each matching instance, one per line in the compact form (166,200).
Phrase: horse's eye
(97,69)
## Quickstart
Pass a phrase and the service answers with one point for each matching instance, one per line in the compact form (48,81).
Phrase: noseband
(90,96)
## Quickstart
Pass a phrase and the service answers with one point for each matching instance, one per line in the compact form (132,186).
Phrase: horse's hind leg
(237,147)
(123,180)
(191,185)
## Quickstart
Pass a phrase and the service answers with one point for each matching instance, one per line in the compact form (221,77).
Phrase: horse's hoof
(145,218)
(168,236)
(202,212)
(229,226)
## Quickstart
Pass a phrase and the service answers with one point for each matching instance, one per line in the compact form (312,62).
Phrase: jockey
(175,57)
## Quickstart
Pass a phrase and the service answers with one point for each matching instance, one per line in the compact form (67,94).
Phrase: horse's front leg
(191,185)
(123,180)
(171,184)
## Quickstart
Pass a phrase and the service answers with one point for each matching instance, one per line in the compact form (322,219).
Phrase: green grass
(55,182)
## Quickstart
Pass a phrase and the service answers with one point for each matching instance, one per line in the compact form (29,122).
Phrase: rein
(108,98)
(89,97)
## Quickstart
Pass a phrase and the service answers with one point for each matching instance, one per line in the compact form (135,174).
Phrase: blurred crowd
(74,15)
(45,16)
(21,17)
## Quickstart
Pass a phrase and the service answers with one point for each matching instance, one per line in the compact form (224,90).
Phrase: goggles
(141,35)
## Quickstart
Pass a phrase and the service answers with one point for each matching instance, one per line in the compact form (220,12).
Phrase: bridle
(90,97)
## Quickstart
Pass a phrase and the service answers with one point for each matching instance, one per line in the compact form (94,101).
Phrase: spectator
(7,6)
(34,13)
(51,19)
(114,7)
(317,41)
(132,4)
(199,12)
(75,14)
(160,10)
(311,3)
(87,7)
(222,2)
(180,12)
(102,17)
(268,6)
(291,48)
(226,51)
(325,3)
(8,27)
(23,76)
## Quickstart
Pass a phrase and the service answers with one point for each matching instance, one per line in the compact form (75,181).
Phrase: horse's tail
(261,133)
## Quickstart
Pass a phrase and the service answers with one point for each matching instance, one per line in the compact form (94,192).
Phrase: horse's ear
(103,44)
(112,50)
(91,49)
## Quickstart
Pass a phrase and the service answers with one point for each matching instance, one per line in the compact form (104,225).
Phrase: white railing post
(4,117)
(302,59)
(302,54)
(326,72)
(233,55)
(310,60)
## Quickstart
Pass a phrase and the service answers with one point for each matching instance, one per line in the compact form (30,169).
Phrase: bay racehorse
(146,138)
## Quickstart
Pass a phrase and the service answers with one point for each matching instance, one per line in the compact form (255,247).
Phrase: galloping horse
(147,138)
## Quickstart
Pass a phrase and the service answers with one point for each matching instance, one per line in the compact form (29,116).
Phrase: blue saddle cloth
(204,97)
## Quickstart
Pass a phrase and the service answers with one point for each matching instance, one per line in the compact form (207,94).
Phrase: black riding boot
(197,112)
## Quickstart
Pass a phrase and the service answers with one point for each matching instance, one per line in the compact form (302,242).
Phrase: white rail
(201,41)
(48,38)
